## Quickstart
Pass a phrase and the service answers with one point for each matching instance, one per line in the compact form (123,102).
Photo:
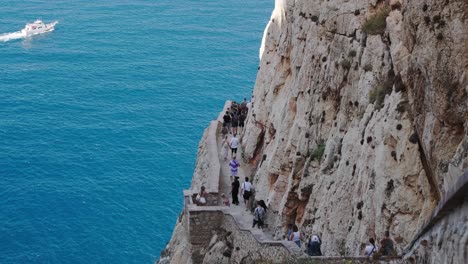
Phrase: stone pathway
(242,216)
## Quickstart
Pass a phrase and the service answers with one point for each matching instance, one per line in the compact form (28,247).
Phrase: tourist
(235,122)
(225,148)
(371,248)
(262,204)
(234,165)
(242,122)
(296,236)
(225,200)
(201,197)
(234,144)
(313,246)
(235,190)
(227,121)
(246,191)
(243,105)
(386,245)
(259,215)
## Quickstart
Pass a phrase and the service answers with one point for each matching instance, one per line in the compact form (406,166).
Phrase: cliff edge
(359,125)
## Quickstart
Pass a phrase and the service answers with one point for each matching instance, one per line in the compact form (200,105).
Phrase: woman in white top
(246,191)
(296,236)
(371,248)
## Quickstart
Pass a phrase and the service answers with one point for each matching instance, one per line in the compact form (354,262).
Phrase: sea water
(101,118)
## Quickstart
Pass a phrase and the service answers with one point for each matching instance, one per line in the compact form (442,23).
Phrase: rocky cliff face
(360,117)
(386,104)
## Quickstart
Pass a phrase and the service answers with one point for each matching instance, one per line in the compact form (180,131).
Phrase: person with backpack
(259,215)
(371,248)
(386,244)
(313,246)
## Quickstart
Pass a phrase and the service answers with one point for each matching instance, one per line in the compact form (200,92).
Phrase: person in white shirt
(234,144)
(371,248)
(246,191)
(296,236)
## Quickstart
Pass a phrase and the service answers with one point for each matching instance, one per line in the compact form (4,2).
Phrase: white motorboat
(38,27)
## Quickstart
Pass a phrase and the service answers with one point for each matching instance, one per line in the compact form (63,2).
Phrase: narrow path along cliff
(242,215)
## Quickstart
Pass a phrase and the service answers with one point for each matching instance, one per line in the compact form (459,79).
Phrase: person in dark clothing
(235,190)
(227,121)
(235,123)
(242,121)
(386,245)
(313,246)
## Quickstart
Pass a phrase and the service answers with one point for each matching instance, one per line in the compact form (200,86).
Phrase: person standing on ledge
(235,190)
(234,164)
(246,191)
(234,144)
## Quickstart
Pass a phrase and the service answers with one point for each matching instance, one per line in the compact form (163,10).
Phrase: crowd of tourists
(314,242)
(233,123)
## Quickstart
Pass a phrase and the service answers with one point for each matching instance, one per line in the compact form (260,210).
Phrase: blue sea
(100,119)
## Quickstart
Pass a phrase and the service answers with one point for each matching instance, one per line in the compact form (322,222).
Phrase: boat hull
(48,28)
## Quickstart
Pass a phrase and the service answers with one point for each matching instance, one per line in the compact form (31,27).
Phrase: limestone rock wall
(356,128)
(178,250)
(388,111)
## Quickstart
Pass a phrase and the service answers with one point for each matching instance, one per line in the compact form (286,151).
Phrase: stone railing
(449,202)
(211,180)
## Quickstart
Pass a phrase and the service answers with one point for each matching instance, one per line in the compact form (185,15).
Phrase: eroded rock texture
(388,110)
(359,127)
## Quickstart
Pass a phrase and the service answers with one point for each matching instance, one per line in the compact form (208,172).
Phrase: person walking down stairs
(259,215)
(234,165)
(246,191)
(235,190)
(234,144)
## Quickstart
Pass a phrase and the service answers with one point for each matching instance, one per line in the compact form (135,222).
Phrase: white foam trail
(11,36)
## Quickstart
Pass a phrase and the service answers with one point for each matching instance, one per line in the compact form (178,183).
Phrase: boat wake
(11,36)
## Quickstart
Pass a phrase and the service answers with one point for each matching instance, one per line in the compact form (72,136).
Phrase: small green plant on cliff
(377,96)
(376,24)
(318,152)
(352,53)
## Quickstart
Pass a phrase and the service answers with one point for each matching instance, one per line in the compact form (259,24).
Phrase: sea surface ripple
(100,119)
